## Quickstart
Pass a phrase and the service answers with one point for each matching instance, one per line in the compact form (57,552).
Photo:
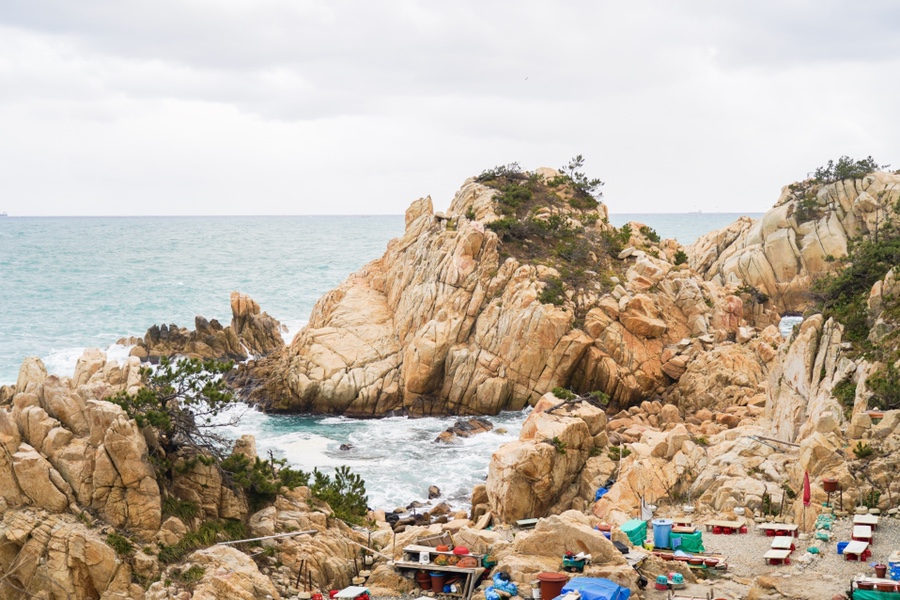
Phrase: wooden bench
(861,533)
(777,529)
(783,542)
(870,520)
(857,551)
(777,557)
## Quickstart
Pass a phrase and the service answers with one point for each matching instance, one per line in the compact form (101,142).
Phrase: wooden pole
(270,537)
(373,551)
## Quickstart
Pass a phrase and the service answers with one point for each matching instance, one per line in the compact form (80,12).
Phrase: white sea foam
(397,456)
(62,362)
(786,325)
(293,328)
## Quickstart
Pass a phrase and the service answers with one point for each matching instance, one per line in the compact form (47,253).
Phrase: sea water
(68,283)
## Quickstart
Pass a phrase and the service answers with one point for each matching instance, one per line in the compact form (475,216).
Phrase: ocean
(68,283)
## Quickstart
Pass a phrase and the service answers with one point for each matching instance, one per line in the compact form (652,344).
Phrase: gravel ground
(808,576)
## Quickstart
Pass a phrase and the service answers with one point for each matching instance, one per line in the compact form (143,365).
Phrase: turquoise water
(71,283)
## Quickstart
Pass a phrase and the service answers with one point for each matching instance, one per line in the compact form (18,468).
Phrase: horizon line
(196,216)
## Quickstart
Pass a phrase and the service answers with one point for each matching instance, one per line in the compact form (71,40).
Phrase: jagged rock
(249,330)
(52,552)
(32,374)
(882,304)
(465,429)
(640,317)
(246,446)
(779,254)
(43,484)
(171,531)
(259,332)
(727,375)
(228,574)
(527,477)
(803,377)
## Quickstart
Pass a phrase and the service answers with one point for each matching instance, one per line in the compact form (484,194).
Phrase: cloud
(269,106)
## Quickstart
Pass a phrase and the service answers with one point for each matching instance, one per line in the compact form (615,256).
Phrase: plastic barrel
(662,528)
(551,584)
(437,581)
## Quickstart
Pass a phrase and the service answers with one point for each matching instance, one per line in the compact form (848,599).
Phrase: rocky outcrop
(539,473)
(258,332)
(802,382)
(446,322)
(726,375)
(464,429)
(883,306)
(251,333)
(226,573)
(799,238)
(65,447)
(57,554)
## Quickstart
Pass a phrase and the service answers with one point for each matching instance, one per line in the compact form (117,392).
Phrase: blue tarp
(595,588)
(601,491)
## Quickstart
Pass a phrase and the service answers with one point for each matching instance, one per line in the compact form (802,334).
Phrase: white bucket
(536,590)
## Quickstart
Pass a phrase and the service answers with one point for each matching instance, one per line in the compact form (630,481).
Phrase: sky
(284,107)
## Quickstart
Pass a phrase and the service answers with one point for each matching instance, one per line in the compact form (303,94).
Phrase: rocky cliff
(510,293)
(809,228)
(86,514)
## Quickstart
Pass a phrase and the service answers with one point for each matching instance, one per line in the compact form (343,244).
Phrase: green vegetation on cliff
(182,402)
(844,293)
(846,168)
(554,223)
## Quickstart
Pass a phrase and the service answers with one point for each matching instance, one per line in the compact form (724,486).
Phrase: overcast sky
(176,107)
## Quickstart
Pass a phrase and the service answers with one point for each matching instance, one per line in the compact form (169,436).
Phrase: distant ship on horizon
(3,214)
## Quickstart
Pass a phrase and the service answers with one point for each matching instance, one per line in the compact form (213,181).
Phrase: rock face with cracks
(444,323)
(810,225)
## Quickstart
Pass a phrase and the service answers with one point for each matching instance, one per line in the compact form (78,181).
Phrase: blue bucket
(661,530)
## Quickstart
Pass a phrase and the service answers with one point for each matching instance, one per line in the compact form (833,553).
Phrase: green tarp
(690,542)
(636,530)
(859,594)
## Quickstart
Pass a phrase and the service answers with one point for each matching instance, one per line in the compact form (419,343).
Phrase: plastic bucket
(437,581)
(551,584)
(424,580)
(662,528)
(841,546)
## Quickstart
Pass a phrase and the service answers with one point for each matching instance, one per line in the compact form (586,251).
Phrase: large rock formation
(82,511)
(68,447)
(251,333)
(538,474)
(809,227)
(453,320)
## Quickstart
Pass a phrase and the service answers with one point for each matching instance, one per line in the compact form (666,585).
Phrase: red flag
(807,493)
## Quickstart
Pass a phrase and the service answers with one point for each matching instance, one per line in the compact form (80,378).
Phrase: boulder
(465,428)
(228,574)
(260,333)
(529,476)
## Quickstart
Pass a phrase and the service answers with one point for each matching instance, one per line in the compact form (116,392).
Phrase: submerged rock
(465,429)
